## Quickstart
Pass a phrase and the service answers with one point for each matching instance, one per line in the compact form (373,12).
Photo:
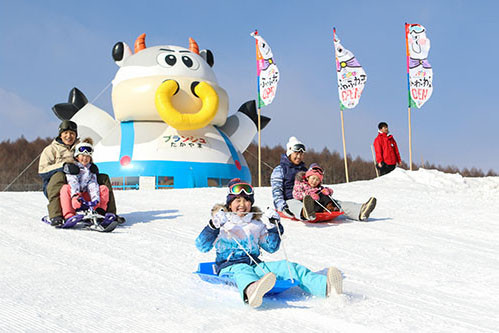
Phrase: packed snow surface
(427,261)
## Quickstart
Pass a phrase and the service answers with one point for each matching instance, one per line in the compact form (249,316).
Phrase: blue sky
(48,47)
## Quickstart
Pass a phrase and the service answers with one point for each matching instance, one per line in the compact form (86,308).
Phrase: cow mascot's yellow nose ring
(186,121)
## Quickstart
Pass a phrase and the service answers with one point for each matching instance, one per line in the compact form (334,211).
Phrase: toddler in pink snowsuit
(310,183)
(83,185)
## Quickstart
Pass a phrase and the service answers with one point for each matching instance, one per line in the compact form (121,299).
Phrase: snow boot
(334,282)
(72,221)
(367,208)
(56,221)
(108,219)
(308,210)
(255,291)
(120,219)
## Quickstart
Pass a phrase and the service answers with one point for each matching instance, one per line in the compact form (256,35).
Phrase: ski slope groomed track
(427,261)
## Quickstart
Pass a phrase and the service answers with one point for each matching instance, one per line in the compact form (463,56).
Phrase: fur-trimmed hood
(300,176)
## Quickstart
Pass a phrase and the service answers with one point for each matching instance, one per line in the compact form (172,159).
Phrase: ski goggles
(85,149)
(299,147)
(317,169)
(240,188)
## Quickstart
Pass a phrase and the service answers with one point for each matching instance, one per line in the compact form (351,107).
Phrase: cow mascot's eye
(166,59)
(190,62)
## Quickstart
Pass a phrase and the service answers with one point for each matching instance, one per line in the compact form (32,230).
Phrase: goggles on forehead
(318,169)
(299,147)
(85,149)
(240,188)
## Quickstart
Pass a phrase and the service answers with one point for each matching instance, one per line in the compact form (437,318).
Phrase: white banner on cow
(351,76)
(418,68)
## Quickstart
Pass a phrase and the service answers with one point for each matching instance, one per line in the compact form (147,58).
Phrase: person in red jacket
(387,152)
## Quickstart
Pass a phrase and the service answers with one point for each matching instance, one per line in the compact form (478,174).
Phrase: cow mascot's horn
(140,43)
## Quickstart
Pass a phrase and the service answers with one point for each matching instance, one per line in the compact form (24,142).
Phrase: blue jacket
(282,181)
(251,234)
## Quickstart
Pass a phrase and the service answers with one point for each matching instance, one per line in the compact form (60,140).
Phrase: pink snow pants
(67,207)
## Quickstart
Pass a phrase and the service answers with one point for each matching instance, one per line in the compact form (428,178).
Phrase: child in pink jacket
(310,184)
(83,185)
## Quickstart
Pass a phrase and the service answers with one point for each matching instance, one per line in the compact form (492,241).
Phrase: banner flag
(267,71)
(419,71)
(351,76)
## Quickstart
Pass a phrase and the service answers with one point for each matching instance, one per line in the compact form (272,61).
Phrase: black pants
(324,200)
(385,168)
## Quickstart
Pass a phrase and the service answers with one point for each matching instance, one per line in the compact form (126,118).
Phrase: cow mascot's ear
(76,101)
(207,55)
(121,51)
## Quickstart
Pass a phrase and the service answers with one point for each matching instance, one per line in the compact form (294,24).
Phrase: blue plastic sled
(206,271)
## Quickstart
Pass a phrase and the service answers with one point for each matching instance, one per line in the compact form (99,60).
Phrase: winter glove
(94,169)
(219,219)
(272,216)
(76,201)
(70,168)
(327,191)
(288,212)
(314,195)
(283,207)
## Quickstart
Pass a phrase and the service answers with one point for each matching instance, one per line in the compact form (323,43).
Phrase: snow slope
(427,261)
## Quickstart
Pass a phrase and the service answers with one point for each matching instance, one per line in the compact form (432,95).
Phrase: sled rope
(266,164)
(22,172)
(335,203)
(285,254)
(322,206)
(242,248)
(282,244)
(101,92)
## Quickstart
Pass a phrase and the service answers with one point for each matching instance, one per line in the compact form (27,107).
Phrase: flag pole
(410,140)
(341,112)
(344,145)
(408,94)
(259,124)
(259,151)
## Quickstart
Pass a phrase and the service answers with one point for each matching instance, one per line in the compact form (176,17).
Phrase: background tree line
(334,165)
(15,156)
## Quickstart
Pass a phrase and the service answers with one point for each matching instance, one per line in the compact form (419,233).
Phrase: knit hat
(294,145)
(84,148)
(68,125)
(233,194)
(314,172)
(316,166)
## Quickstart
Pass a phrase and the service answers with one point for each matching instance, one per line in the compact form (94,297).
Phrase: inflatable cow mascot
(171,120)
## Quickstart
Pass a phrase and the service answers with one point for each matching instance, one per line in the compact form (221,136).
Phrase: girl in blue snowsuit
(238,231)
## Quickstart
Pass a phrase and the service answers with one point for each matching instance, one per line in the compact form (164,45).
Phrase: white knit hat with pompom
(292,142)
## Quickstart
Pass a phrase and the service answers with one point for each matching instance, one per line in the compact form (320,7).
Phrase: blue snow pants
(310,282)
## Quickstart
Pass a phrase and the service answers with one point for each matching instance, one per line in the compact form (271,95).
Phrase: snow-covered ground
(427,261)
